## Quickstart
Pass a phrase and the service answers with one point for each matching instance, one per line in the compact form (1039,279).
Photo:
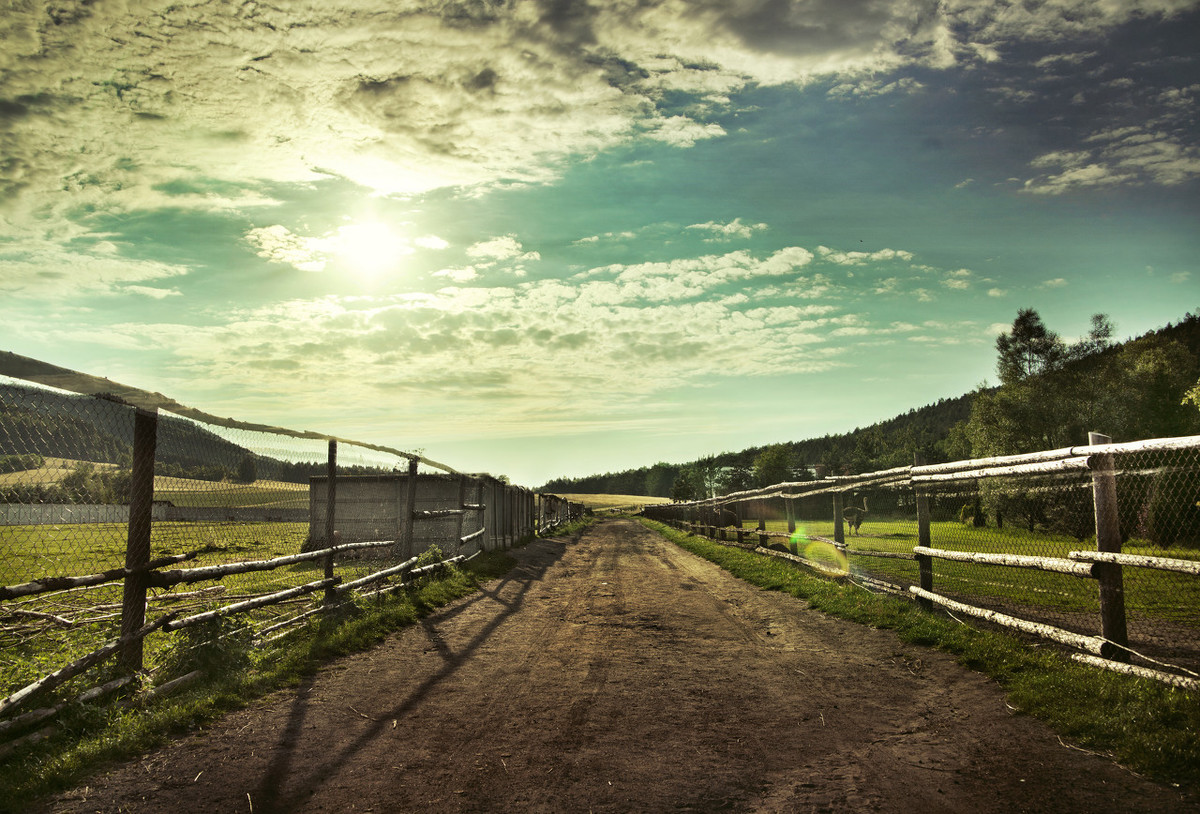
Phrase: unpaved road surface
(617,672)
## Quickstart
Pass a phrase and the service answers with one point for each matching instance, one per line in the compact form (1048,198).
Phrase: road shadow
(281,791)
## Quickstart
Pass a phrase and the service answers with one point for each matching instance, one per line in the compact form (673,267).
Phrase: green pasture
(30,552)
(235,496)
(1149,593)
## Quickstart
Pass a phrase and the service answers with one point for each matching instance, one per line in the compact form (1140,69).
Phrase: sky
(545,238)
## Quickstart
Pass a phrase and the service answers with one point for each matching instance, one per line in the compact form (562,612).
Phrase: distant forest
(1051,394)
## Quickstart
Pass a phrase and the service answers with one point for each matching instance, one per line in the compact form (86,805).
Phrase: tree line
(1051,393)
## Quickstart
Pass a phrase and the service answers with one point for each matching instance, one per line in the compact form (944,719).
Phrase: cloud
(728,231)
(152,293)
(51,272)
(1057,282)
(496,249)
(844,258)
(680,131)
(279,244)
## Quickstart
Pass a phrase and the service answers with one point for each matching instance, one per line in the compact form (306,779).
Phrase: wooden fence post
(1108,538)
(462,518)
(137,545)
(789,507)
(839,535)
(480,500)
(330,517)
(408,519)
(924,538)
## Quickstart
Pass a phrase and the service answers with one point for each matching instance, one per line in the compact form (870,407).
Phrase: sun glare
(369,249)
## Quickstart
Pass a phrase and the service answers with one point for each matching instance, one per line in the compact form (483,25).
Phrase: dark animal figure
(854,515)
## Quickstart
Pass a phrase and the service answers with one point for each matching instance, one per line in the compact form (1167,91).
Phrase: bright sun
(368,249)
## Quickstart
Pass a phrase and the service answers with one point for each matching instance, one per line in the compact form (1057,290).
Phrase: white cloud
(431,242)
(728,231)
(843,258)
(152,293)
(1126,155)
(280,245)
(1057,282)
(680,131)
(502,248)
(51,272)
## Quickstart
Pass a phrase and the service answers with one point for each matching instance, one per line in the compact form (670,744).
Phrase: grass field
(260,494)
(1152,598)
(608,503)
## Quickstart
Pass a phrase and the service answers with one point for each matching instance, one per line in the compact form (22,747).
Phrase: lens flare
(798,539)
(827,559)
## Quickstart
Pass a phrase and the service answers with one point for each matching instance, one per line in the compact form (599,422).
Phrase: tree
(773,465)
(686,486)
(247,471)
(1030,349)
(736,478)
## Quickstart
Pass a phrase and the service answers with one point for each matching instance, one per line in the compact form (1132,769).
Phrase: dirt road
(619,673)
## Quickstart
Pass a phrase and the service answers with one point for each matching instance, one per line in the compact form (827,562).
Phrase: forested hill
(879,446)
(1131,390)
(39,423)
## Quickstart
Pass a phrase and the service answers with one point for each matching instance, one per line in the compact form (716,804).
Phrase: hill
(938,431)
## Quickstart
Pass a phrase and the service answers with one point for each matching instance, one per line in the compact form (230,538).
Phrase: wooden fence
(463,515)
(724,519)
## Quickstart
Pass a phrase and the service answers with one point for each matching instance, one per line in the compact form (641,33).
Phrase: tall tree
(1029,349)
(773,465)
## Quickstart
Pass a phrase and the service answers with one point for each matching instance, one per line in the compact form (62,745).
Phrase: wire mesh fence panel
(1158,499)
(880,531)
(65,482)
(1018,517)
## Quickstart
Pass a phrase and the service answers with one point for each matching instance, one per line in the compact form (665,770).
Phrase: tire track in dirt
(617,672)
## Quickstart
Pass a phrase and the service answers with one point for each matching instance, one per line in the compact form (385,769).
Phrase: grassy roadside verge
(1143,725)
(92,736)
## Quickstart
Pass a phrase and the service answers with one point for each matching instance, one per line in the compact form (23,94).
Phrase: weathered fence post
(330,518)
(789,508)
(924,538)
(408,518)
(762,531)
(741,529)
(839,535)
(462,518)
(1108,538)
(480,500)
(137,545)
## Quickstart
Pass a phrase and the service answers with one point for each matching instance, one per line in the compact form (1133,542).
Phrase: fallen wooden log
(376,577)
(1055,564)
(80,665)
(1143,561)
(1092,644)
(164,579)
(35,716)
(251,604)
(45,584)
(1182,682)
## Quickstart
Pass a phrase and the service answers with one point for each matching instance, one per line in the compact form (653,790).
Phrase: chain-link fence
(113,516)
(1097,547)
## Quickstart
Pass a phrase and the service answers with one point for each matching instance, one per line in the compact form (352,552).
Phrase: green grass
(31,552)
(1150,594)
(235,496)
(1142,724)
(90,736)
